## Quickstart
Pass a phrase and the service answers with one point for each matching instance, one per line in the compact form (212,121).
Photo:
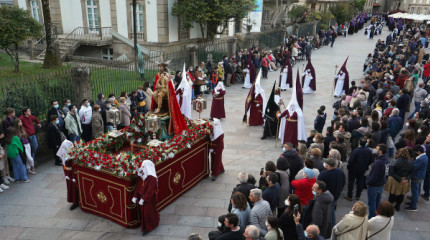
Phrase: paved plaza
(38,210)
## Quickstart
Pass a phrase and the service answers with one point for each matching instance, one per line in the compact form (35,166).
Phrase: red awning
(376,5)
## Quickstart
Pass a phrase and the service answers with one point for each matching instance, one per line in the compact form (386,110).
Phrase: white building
(156,26)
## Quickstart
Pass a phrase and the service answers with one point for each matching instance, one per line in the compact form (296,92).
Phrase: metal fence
(36,91)
(114,78)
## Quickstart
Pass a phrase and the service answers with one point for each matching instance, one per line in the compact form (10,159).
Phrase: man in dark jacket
(327,140)
(244,187)
(55,137)
(354,122)
(418,174)
(319,121)
(358,164)
(321,210)
(402,104)
(271,193)
(56,110)
(426,186)
(376,179)
(335,181)
(293,159)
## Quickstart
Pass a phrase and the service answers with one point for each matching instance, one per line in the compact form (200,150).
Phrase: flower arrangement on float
(114,156)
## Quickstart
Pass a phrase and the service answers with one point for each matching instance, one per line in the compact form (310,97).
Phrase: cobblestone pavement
(38,210)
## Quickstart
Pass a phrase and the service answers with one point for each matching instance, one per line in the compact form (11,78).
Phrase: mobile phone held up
(261,171)
(296,209)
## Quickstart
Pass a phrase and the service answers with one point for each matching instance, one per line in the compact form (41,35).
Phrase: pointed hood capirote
(310,68)
(299,91)
(344,71)
(287,64)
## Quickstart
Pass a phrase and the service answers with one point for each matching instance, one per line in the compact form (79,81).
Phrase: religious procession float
(104,176)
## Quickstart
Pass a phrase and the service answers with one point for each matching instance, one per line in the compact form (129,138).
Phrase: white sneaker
(26,181)
(1,190)
(6,181)
(10,179)
(4,187)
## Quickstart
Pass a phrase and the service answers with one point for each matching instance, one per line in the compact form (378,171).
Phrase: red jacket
(401,79)
(27,123)
(303,189)
(426,72)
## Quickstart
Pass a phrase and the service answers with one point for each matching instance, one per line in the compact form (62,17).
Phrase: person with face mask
(55,110)
(335,181)
(286,220)
(97,122)
(73,125)
(85,115)
(319,213)
(274,233)
(220,228)
(55,137)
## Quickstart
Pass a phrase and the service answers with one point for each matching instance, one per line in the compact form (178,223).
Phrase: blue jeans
(34,145)
(19,170)
(417,109)
(73,138)
(415,190)
(374,199)
(426,187)
(333,213)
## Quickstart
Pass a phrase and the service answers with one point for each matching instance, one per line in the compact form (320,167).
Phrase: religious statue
(161,91)
(164,89)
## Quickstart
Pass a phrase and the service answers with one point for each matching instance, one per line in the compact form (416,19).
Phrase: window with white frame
(265,15)
(419,10)
(107,53)
(35,10)
(92,14)
(139,17)
(412,10)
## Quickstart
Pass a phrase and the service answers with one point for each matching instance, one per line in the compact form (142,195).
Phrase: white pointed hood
(186,95)
(258,90)
(147,169)
(217,129)
(293,106)
(219,86)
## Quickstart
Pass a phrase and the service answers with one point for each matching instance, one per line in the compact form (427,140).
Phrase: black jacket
(360,160)
(244,188)
(53,111)
(294,161)
(327,140)
(401,169)
(288,226)
(353,124)
(319,123)
(54,136)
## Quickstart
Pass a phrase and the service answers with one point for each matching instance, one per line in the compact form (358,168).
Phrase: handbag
(380,230)
(334,236)
(142,104)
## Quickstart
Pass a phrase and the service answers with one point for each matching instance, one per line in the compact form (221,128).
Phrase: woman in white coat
(353,225)
(380,226)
